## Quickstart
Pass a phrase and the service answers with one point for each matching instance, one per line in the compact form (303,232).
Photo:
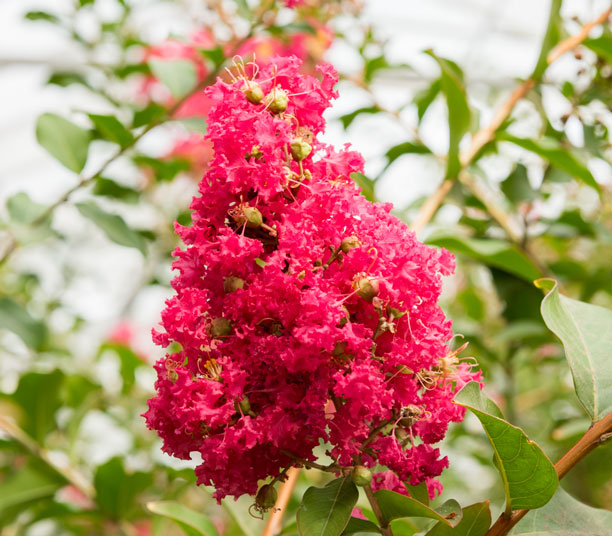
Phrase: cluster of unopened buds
(303,313)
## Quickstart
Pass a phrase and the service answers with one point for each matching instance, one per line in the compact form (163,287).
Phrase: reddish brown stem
(384,527)
(595,436)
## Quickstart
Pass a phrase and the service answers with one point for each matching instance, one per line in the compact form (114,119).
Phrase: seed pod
(361,476)
(252,217)
(266,497)
(348,243)
(220,327)
(300,150)
(232,283)
(254,93)
(368,288)
(277,100)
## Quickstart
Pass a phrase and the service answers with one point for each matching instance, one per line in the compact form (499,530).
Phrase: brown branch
(275,519)
(384,527)
(595,436)
(486,134)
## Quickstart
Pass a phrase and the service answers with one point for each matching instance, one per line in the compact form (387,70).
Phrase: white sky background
(495,41)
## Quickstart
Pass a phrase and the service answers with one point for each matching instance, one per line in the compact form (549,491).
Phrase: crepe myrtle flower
(303,313)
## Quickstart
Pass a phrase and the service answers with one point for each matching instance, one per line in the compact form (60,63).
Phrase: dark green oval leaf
(356,525)
(395,506)
(551,38)
(192,523)
(475,522)
(111,129)
(565,516)
(179,76)
(113,226)
(64,140)
(529,477)
(327,511)
(586,333)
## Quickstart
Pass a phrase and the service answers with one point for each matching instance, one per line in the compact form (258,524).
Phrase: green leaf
(116,491)
(243,9)
(565,516)
(39,395)
(66,78)
(407,147)
(113,226)
(111,129)
(150,114)
(110,188)
(64,140)
(23,210)
(492,252)
(419,492)
(192,523)
(327,511)
(374,65)
(42,15)
(356,525)
(459,116)
(424,98)
(347,119)
(586,333)
(529,477)
(556,155)
(15,318)
(179,76)
(602,45)
(27,485)
(475,522)
(516,186)
(164,170)
(395,506)
(215,55)
(551,38)
(129,362)
(366,184)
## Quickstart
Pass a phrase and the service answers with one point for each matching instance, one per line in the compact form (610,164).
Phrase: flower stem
(384,526)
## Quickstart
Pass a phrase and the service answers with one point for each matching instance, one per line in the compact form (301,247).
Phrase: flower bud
(232,283)
(252,217)
(220,327)
(245,405)
(368,288)
(361,476)
(300,150)
(266,497)
(277,100)
(348,243)
(395,313)
(339,348)
(254,93)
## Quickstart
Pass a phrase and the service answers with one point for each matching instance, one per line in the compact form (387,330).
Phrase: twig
(384,527)
(275,519)
(311,465)
(594,437)
(486,134)
(70,474)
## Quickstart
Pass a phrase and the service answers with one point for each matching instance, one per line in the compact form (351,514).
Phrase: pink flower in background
(293,294)
(195,150)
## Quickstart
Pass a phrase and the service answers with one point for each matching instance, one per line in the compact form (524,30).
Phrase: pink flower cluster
(304,313)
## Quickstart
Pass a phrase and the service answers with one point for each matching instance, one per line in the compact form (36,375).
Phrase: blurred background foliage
(532,200)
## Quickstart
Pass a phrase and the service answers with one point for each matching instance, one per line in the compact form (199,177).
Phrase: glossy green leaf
(23,210)
(556,155)
(216,55)
(113,226)
(586,333)
(152,113)
(327,511)
(395,506)
(419,492)
(357,525)
(64,140)
(179,76)
(109,188)
(347,119)
(366,184)
(192,523)
(424,98)
(493,252)
(516,186)
(39,396)
(407,147)
(529,477)
(565,516)
(15,318)
(551,38)
(475,522)
(116,490)
(111,129)
(602,45)
(459,116)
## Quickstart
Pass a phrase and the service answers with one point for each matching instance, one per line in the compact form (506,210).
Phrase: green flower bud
(368,288)
(361,476)
(300,150)
(266,497)
(252,216)
(254,93)
(245,405)
(348,243)
(232,283)
(339,348)
(277,100)
(396,313)
(220,327)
